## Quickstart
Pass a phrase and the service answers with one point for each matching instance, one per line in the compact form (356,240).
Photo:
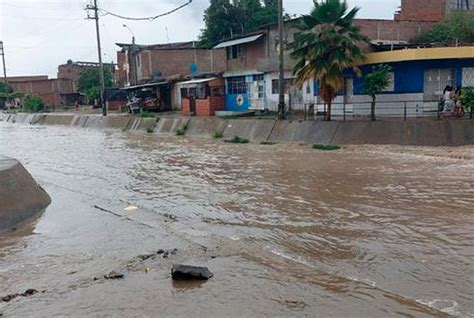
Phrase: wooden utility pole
(281,81)
(95,17)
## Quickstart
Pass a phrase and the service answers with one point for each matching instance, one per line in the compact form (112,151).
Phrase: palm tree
(325,46)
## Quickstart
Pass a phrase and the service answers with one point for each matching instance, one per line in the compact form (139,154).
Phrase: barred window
(236,85)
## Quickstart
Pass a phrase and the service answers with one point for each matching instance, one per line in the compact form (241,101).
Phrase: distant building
(431,10)
(73,70)
(54,92)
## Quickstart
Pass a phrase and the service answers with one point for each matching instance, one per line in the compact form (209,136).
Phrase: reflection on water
(368,231)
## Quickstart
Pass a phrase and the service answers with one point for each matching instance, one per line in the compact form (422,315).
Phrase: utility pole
(281,84)
(95,17)
(2,53)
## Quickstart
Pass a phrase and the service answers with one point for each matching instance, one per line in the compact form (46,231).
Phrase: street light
(131,32)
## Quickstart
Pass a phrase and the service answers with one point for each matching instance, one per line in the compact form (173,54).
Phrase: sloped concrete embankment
(21,197)
(412,132)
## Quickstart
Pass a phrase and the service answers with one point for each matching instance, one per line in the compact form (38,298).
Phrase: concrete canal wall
(425,132)
(20,196)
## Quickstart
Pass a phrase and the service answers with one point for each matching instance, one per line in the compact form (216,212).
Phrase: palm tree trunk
(372,109)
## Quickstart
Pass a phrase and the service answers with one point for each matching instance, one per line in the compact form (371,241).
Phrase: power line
(105,12)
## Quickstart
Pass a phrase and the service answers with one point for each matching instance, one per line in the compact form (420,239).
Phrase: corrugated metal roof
(247,39)
(198,81)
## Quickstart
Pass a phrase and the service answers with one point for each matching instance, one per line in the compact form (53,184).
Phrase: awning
(248,39)
(197,81)
(144,86)
(241,73)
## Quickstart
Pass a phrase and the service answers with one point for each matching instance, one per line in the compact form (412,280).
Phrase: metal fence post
(305,113)
(344,111)
(470,116)
(405,111)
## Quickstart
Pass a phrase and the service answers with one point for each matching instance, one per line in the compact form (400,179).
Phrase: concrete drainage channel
(423,132)
(21,198)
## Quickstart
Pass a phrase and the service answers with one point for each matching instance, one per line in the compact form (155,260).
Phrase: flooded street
(287,230)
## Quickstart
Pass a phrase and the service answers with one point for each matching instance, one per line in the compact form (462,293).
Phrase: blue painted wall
(231,102)
(409,76)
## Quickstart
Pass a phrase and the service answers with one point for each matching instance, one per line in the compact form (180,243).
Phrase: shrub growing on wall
(467,97)
(33,103)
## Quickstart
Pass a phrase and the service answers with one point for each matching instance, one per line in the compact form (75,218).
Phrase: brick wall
(49,90)
(173,62)
(392,30)
(422,10)
(204,107)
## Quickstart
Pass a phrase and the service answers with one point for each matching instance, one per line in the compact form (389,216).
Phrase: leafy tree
(89,82)
(5,89)
(375,82)
(325,46)
(467,98)
(458,29)
(33,103)
(225,19)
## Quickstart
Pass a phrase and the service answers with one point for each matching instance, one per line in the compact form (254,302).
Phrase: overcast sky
(41,34)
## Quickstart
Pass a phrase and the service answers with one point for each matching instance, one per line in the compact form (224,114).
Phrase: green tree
(467,99)
(5,89)
(225,19)
(375,82)
(457,30)
(325,46)
(33,103)
(89,82)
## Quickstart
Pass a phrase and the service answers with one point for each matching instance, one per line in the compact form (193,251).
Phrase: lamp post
(131,32)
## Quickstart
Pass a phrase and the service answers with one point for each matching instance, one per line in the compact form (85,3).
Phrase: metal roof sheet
(247,39)
(198,81)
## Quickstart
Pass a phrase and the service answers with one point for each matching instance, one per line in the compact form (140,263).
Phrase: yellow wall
(420,54)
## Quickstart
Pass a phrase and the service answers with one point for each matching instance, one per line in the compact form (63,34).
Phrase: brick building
(139,64)
(73,70)
(54,92)
(431,10)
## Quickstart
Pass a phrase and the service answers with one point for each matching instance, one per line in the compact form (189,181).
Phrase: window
(391,84)
(235,52)
(462,4)
(184,92)
(261,91)
(201,92)
(217,91)
(286,83)
(236,85)
(258,77)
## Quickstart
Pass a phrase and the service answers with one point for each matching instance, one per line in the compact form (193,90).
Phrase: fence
(401,110)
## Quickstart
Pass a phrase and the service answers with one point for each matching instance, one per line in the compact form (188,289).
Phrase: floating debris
(186,272)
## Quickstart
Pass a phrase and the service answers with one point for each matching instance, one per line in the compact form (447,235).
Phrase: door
(296,100)
(435,82)
(257,95)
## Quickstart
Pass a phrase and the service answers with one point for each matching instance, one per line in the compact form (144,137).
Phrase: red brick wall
(422,10)
(49,90)
(391,30)
(204,107)
(121,74)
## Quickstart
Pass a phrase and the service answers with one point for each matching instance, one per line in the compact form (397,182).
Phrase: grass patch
(326,147)
(182,131)
(218,135)
(268,143)
(147,114)
(237,140)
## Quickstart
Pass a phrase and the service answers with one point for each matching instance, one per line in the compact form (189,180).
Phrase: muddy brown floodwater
(287,231)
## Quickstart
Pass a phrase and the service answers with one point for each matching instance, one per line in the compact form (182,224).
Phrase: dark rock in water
(166,254)
(28,292)
(186,272)
(10,297)
(114,275)
(174,251)
(146,256)
(160,251)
